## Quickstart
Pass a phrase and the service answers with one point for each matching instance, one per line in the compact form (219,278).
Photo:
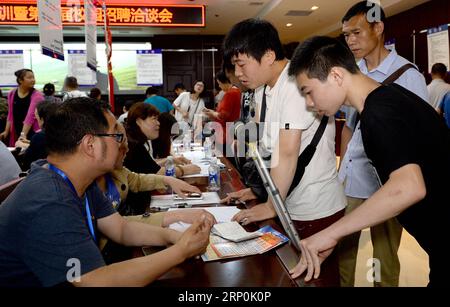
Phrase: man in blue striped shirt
(363,28)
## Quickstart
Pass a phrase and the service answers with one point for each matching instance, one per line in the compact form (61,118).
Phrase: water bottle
(207,145)
(187,141)
(170,169)
(214,175)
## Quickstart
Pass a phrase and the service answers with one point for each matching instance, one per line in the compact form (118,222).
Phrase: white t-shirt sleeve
(294,112)
(178,101)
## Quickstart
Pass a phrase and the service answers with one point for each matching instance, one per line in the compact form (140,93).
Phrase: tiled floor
(413,261)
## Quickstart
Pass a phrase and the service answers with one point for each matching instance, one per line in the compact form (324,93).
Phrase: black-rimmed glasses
(117,136)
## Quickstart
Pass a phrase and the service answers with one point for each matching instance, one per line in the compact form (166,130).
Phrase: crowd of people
(90,175)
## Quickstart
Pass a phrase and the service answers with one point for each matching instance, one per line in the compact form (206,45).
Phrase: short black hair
(253,37)
(179,86)
(49,89)
(162,145)
(317,55)
(439,69)
(71,82)
(128,104)
(139,110)
(71,121)
(222,77)
(203,94)
(45,108)
(364,8)
(95,92)
(151,90)
(227,65)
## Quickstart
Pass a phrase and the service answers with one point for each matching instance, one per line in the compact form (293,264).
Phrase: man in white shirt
(71,88)
(318,199)
(438,87)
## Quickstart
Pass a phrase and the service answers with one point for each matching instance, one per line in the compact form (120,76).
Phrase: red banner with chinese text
(119,15)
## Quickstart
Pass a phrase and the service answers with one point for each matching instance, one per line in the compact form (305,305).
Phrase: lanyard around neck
(112,193)
(88,210)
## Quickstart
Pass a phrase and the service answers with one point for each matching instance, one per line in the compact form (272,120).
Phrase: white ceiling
(221,15)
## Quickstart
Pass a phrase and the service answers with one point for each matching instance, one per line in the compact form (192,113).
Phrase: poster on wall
(10,62)
(149,68)
(78,69)
(91,34)
(438,46)
(50,28)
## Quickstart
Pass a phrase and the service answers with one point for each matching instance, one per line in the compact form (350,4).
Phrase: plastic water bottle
(214,175)
(207,145)
(170,169)
(187,141)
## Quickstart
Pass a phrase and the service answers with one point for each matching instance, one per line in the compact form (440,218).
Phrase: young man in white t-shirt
(318,200)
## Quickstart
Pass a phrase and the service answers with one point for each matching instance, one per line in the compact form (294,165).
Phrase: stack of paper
(234,232)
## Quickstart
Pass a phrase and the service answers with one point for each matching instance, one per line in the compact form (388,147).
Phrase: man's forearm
(404,188)
(284,160)
(135,272)
(141,234)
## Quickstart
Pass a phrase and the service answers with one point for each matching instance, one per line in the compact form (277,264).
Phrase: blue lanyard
(88,210)
(111,191)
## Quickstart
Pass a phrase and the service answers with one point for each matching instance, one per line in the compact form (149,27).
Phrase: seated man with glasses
(51,223)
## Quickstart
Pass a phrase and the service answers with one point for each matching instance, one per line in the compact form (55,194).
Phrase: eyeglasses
(118,136)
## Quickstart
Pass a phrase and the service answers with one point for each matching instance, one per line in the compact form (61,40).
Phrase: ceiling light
(289,25)
(314,8)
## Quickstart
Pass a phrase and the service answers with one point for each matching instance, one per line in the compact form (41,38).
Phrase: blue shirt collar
(384,66)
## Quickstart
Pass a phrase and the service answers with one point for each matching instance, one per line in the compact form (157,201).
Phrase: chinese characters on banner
(91,33)
(149,69)
(438,46)
(10,62)
(50,28)
(77,68)
(131,15)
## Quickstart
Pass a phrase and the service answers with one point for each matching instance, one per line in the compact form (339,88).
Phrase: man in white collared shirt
(366,41)
(438,87)
(318,200)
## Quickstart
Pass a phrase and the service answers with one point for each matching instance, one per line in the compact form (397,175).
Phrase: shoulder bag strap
(396,74)
(391,79)
(262,115)
(307,154)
